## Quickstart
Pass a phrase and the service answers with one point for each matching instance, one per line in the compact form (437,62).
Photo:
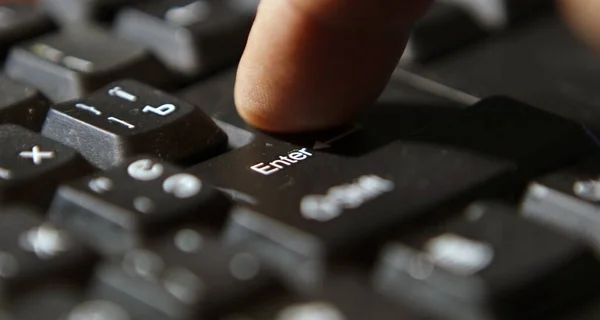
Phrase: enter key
(302,209)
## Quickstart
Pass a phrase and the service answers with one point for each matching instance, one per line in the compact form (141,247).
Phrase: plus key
(126,119)
(31,166)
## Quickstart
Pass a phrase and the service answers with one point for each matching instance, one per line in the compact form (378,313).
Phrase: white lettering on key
(282,162)
(100,184)
(164,110)
(127,124)
(88,108)
(348,196)
(36,155)
(119,92)
(145,170)
(182,185)
(460,255)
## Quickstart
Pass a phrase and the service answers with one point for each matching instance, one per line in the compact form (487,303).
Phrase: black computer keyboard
(130,189)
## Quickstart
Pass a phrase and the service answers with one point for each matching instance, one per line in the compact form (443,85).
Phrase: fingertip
(583,19)
(299,73)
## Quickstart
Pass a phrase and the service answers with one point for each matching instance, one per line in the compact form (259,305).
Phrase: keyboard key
(68,12)
(50,302)
(487,264)
(76,61)
(189,36)
(568,201)
(34,252)
(185,275)
(127,118)
(21,105)
(31,166)
(21,22)
(500,14)
(445,27)
(335,204)
(119,209)
(343,297)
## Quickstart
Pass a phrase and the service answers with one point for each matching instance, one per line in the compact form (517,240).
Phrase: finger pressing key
(310,65)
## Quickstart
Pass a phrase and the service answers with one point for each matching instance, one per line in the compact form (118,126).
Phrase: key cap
(444,28)
(567,201)
(500,14)
(72,12)
(343,297)
(21,22)
(34,252)
(51,302)
(31,166)
(184,275)
(487,264)
(76,61)
(127,118)
(190,36)
(304,207)
(21,105)
(119,209)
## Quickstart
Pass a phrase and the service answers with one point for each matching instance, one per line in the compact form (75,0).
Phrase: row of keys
(33,251)
(485,150)
(120,209)
(21,22)
(120,121)
(122,200)
(76,61)
(453,24)
(463,268)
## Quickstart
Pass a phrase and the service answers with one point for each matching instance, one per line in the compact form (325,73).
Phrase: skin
(315,64)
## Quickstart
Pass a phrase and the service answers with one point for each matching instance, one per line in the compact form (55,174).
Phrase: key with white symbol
(136,201)
(189,268)
(496,259)
(31,166)
(139,120)
(568,200)
(33,251)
